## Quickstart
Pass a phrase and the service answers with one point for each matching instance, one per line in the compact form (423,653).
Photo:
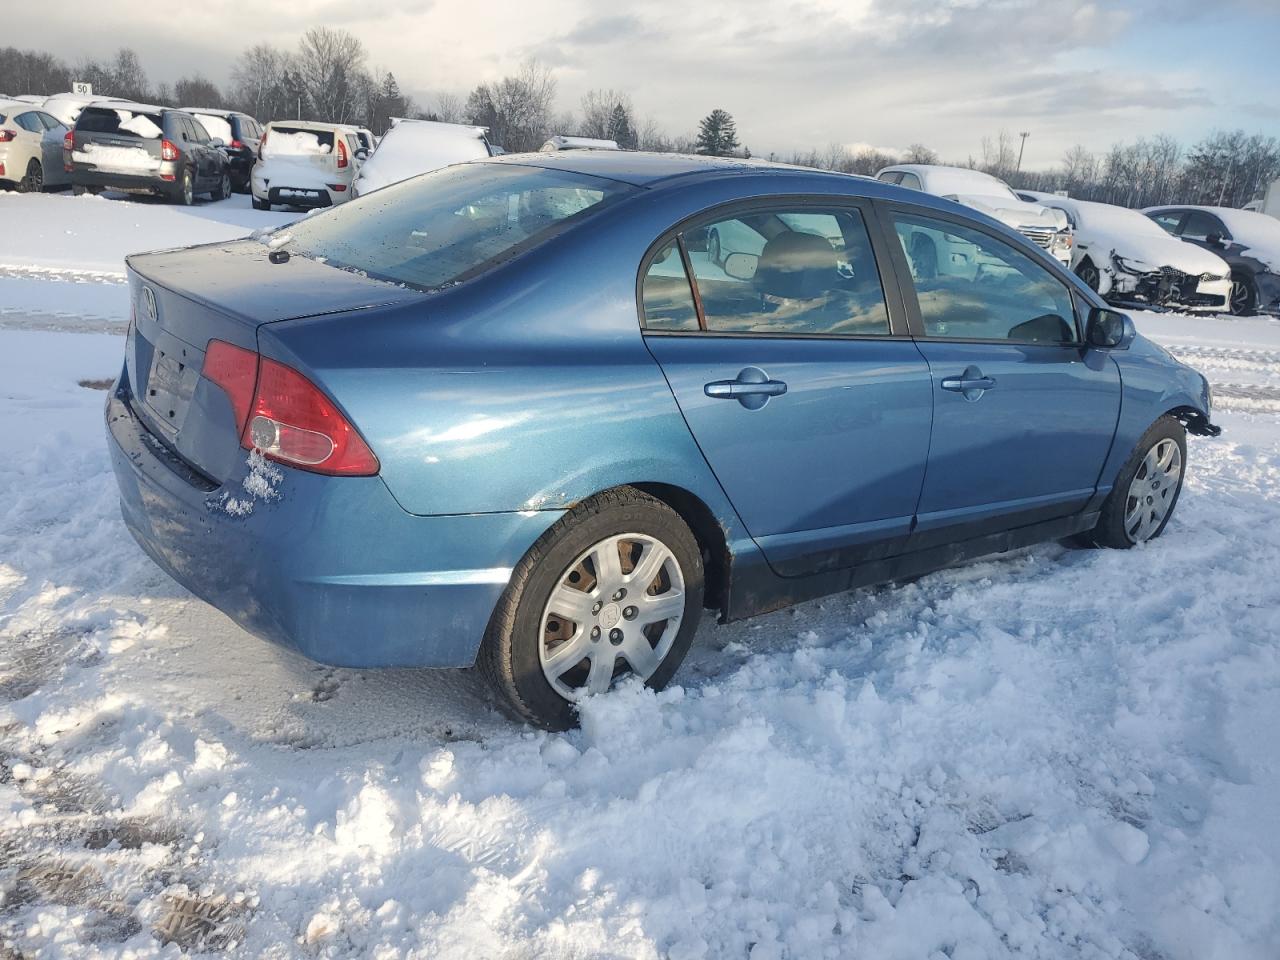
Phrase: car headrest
(796,266)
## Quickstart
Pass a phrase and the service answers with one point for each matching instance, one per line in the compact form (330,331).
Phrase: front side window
(971,286)
(450,225)
(1201,225)
(1169,221)
(786,272)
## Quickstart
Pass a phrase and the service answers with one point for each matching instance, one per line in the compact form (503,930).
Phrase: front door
(809,401)
(1024,413)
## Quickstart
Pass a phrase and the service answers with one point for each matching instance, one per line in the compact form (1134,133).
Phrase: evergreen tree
(621,130)
(717,134)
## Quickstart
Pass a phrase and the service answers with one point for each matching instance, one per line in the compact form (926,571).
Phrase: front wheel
(613,589)
(1087,272)
(261,204)
(223,190)
(1244,296)
(1146,490)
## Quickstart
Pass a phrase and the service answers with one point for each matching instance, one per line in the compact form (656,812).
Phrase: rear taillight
(236,145)
(262,142)
(168,151)
(69,141)
(337,187)
(7,135)
(342,154)
(283,415)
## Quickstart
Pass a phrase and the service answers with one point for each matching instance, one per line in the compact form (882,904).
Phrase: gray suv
(142,149)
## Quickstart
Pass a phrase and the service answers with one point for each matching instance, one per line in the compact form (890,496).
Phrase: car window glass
(789,272)
(1168,220)
(910,181)
(972,286)
(201,134)
(452,224)
(891,176)
(29,121)
(666,295)
(1200,224)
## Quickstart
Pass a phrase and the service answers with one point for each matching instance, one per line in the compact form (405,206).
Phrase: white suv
(1041,225)
(305,164)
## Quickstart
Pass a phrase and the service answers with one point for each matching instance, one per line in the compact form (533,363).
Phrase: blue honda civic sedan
(539,412)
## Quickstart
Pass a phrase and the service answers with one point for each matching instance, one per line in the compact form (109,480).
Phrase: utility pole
(1024,134)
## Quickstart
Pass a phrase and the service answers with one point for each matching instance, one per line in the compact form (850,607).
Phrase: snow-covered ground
(1058,753)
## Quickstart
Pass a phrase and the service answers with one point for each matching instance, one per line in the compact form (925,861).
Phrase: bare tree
(196,92)
(919,153)
(517,109)
(331,66)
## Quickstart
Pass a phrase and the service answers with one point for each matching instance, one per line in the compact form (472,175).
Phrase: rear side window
(29,121)
(910,181)
(121,123)
(453,224)
(666,295)
(781,272)
(971,286)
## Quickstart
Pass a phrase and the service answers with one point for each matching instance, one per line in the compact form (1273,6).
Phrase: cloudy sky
(794,73)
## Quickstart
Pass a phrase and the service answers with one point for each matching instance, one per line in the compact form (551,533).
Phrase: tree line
(327,77)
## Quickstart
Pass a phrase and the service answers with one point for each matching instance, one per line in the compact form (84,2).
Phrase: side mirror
(362,154)
(741,266)
(1108,328)
(1215,239)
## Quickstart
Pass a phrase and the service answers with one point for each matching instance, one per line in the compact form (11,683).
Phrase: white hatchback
(305,164)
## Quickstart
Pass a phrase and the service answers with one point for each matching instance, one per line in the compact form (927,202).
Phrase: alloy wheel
(1241,296)
(1153,491)
(1089,274)
(616,609)
(187,195)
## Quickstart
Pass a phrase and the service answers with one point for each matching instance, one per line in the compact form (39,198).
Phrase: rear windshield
(451,225)
(124,123)
(296,142)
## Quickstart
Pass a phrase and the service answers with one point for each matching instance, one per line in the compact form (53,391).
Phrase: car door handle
(752,388)
(971,384)
(961,384)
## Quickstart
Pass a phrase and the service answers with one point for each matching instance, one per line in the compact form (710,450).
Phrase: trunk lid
(182,299)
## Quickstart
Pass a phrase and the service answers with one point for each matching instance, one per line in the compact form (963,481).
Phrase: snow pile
(1058,753)
(117,159)
(218,128)
(299,143)
(140,124)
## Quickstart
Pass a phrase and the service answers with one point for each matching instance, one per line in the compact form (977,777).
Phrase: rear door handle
(752,388)
(971,384)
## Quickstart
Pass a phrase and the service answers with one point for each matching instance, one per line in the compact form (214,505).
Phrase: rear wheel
(1146,490)
(223,190)
(79,191)
(185,194)
(613,589)
(33,180)
(261,204)
(1244,295)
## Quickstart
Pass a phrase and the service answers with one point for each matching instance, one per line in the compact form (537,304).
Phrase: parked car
(577,143)
(1248,242)
(305,164)
(1128,259)
(240,134)
(992,196)
(497,413)
(135,148)
(30,148)
(413,147)
(67,106)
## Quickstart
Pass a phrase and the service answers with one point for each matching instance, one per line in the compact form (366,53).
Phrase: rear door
(1023,412)
(796,376)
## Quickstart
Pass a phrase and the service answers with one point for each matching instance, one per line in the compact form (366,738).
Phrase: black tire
(184,193)
(509,655)
(1244,295)
(1110,531)
(79,191)
(261,204)
(223,189)
(33,180)
(1087,272)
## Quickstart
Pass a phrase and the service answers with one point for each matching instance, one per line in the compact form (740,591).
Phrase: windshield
(450,225)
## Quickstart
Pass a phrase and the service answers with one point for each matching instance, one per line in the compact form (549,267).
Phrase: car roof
(311,125)
(214,111)
(647,169)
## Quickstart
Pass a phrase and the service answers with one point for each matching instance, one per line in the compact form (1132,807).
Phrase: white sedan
(1128,258)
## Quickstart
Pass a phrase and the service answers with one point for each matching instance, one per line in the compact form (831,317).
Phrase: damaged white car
(1043,226)
(1128,258)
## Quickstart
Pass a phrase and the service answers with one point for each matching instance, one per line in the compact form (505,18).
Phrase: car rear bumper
(127,182)
(333,568)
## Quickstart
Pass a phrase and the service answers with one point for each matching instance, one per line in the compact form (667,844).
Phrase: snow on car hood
(1015,213)
(1152,251)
